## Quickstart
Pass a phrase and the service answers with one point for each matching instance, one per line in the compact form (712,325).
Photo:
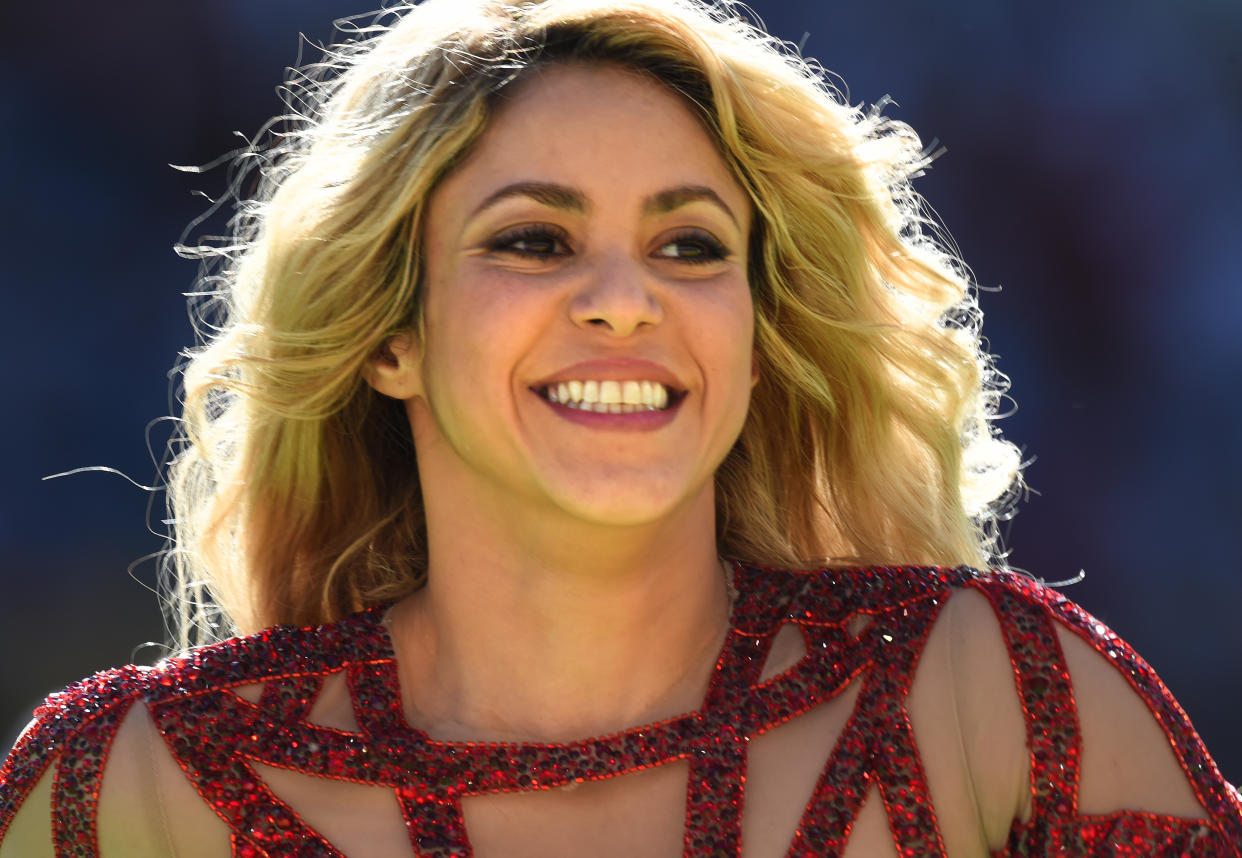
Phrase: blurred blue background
(1092,174)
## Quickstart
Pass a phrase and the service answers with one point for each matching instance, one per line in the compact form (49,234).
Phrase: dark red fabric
(214,734)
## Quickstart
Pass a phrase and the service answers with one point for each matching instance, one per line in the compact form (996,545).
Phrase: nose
(618,297)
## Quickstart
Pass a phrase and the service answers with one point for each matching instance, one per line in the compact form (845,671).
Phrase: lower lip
(638,421)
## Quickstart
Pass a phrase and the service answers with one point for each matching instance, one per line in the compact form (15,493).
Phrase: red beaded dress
(215,735)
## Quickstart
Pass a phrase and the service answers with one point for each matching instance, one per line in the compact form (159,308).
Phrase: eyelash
(713,250)
(543,233)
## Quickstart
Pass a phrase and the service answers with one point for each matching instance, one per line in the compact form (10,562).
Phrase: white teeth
(610,392)
(609,397)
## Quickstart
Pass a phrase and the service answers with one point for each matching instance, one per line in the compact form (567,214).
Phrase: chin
(633,506)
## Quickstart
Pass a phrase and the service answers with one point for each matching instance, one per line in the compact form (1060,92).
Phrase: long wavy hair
(295,495)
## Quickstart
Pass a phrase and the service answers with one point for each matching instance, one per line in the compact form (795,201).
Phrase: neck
(541,631)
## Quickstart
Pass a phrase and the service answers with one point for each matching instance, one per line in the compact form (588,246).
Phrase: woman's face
(592,247)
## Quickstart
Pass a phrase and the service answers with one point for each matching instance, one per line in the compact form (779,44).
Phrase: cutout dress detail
(215,735)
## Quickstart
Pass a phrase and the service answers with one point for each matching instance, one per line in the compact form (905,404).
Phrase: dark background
(1092,172)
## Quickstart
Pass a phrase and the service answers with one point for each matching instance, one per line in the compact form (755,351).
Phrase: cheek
(724,329)
(739,322)
(745,368)
(479,330)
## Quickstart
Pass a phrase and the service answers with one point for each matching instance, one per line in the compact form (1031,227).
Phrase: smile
(610,397)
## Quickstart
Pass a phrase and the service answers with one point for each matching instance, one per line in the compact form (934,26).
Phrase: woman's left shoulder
(1108,750)
(1022,704)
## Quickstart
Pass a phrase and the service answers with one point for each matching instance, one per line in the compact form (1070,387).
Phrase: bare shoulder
(1055,706)
(26,818)
(49,780)
(94,772)
(970,727)
(147,806)
(78,770)
(144,806)
(129,818)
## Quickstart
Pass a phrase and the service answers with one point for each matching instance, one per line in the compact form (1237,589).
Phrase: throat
(559,673)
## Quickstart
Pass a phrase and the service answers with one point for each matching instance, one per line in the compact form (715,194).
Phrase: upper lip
(615,369)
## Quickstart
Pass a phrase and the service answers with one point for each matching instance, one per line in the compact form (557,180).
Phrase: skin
(574,585)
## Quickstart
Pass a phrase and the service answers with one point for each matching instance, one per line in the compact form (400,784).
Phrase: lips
(632,390)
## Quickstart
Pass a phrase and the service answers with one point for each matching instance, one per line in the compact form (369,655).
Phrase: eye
(533,241)
(695,246)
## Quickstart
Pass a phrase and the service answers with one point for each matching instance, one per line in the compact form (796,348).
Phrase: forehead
(601,127)
(605,86)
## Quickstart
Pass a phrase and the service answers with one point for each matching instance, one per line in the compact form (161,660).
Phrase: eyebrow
(571,199)
(674,198)
(545,193)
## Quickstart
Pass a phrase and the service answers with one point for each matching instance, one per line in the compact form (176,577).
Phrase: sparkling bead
(215,734)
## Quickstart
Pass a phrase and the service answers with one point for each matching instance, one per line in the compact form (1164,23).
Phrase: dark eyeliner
(715,251)
(535,232)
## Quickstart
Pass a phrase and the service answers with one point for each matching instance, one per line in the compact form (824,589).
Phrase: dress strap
(289,698)
(1047,697)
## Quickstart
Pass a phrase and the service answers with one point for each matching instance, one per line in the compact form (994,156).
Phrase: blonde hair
(295,498)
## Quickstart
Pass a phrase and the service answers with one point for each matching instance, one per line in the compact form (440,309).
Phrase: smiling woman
(590,457)
(604,271)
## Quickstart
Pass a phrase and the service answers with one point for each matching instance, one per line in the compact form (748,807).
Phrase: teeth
(609,397)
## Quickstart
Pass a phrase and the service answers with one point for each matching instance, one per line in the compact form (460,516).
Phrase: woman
(549,309)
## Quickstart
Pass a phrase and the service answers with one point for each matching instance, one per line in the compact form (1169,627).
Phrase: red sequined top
(214,734)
